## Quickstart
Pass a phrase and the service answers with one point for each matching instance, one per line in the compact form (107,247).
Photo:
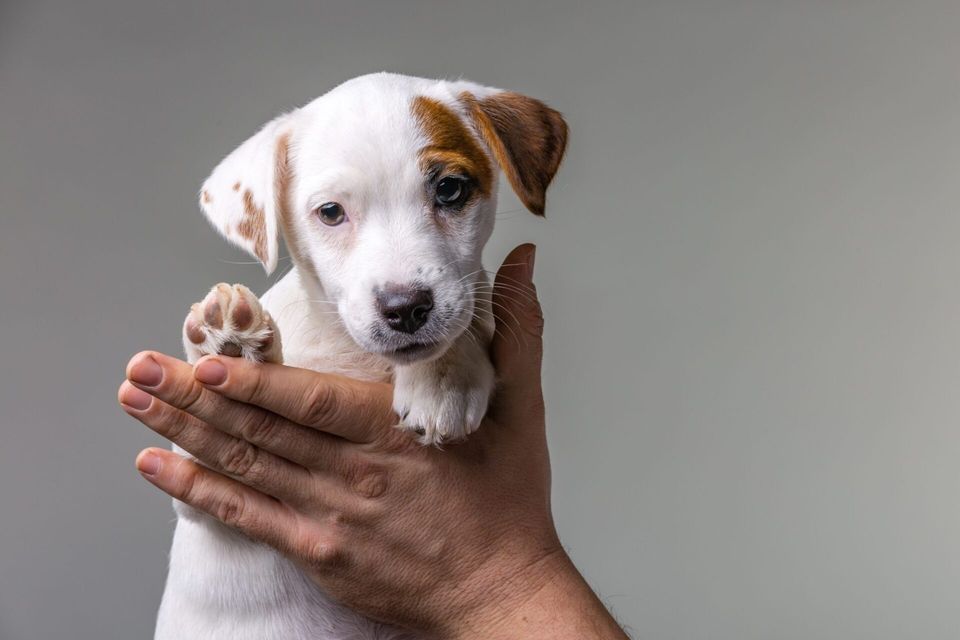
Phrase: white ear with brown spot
(245,196)
(527,139)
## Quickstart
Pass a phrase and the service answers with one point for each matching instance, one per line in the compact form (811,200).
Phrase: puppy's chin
(401,352)
(416,352)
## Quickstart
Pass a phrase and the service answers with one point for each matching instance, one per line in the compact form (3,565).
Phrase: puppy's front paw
(442,409)
(231,322)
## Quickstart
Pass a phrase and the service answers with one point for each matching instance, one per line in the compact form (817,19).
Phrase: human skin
(453,543)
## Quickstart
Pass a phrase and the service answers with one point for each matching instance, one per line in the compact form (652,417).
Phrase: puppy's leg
(444,400)
(231,322)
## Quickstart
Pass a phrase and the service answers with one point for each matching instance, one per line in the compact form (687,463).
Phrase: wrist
(545,597)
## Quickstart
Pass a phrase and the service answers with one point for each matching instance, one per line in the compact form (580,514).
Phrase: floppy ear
(243,197)
(527,138)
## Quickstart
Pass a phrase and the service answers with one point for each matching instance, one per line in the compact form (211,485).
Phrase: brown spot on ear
(527,138)
(282,175)
(236,186)
(253,227)
(452,145)
(205,197)
(283,178)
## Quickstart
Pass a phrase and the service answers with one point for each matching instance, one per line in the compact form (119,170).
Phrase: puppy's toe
(438,417)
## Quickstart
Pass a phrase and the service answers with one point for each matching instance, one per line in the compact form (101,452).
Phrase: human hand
(456,543)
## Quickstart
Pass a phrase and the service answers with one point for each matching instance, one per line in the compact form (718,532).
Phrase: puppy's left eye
(451,191)
(331,213)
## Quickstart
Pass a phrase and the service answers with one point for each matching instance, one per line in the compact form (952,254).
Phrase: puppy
(384,190)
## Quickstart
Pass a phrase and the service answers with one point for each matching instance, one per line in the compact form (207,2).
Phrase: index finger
(352,409)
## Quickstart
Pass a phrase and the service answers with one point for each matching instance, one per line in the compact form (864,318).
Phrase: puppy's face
(385,192)
(393,204)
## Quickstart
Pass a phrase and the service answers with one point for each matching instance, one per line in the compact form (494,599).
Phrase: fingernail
(148,463)
(531,261)
(146,372)
(136,399)
(211,372)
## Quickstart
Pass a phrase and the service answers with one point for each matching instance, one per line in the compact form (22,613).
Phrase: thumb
(517,347)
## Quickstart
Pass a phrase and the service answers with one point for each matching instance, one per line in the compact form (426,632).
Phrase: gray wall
(749,270)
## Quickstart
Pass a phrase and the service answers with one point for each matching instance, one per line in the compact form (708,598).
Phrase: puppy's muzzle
(405,308)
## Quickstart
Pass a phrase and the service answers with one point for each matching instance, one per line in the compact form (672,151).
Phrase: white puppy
(384,190)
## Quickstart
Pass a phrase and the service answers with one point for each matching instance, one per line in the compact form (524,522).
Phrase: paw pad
(230,321)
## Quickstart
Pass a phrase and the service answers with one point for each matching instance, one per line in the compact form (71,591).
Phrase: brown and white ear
(243,197)
(527,138)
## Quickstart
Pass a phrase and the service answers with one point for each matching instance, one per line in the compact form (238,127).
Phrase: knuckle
(239,458)
(176,425)
(188,397)
(188,483)
(231,509)
(372,486)
(338,519)
(366,479)
(259,428)
(326,553)
(257,387)
(321,405)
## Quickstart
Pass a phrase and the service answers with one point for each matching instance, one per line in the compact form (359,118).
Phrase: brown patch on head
(527,138)
(253,227)
(453,147)
(236,186)
(205,197)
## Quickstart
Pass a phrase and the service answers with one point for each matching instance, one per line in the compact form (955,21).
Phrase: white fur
(356,145)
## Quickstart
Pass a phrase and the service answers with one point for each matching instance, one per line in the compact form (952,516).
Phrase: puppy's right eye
(451,191)
(331,213)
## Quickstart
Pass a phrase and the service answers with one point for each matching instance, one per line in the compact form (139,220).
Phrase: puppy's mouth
(413,352)
(427,342)
(400,350)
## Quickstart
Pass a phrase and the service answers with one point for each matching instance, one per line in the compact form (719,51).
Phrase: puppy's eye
(450,191)
(331,213)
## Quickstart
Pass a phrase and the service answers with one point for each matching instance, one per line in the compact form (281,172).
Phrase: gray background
(749,269)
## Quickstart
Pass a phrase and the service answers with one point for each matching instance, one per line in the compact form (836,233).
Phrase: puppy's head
(385,192)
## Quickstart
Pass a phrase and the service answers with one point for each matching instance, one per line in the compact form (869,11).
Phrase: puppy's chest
(318,358)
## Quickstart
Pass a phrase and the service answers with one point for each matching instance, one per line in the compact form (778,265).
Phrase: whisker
(481,270)
(505,285)
(496,324)
(278,276)
(511,280)
(512,316)
(515,294)
(221,260)
(465,328)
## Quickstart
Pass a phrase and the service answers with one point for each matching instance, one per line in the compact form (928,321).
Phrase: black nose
(405,309)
